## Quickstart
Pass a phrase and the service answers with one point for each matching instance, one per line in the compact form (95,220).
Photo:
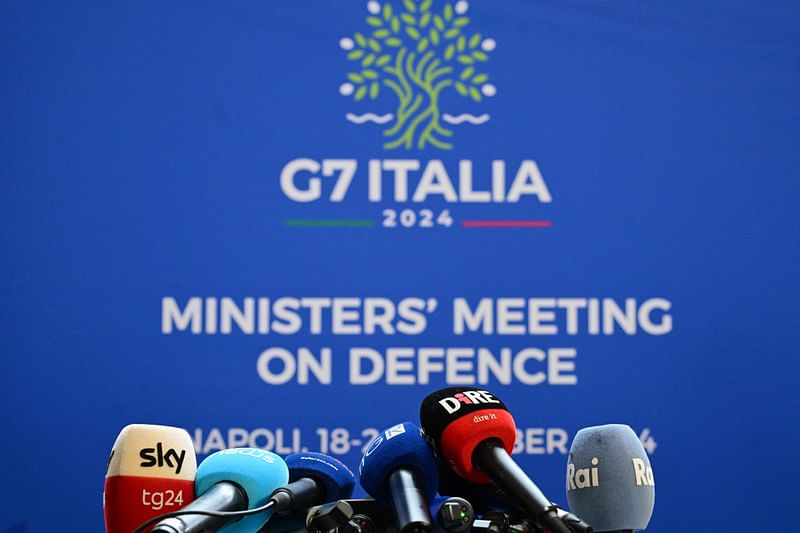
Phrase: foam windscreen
(257,472)
(399,446)
(610,481)
(337,480)
(457,419)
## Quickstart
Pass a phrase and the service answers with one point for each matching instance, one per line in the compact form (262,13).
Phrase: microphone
(491,502)
(230,480)
(399,468)
(610,481)
(452,514)
(500,522)
(314,479)
(332,516)
(575,523)
(473,432)
(316,519)
(151,470)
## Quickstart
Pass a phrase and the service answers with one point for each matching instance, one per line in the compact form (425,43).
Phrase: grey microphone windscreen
(610,481)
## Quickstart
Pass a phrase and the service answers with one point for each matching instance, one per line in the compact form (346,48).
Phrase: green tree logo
(417,54)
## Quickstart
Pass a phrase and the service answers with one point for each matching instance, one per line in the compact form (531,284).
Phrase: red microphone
(474,434)
(151,471)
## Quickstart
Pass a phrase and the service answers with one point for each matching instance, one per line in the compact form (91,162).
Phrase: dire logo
(158,457)
(470,397)
(583,477)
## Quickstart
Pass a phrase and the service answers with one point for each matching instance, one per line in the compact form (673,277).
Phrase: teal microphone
(230,480)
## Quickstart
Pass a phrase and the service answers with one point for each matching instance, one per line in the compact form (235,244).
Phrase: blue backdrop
(160,164)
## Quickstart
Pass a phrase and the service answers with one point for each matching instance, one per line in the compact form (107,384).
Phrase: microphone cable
(218,514)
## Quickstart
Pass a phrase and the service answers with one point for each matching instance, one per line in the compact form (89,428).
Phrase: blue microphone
(399,468)
(314,479)
(230,480)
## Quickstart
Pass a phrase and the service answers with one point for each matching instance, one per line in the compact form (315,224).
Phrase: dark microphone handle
(301,494)
(223,496)
(492,458)
(409,503)
(578,525)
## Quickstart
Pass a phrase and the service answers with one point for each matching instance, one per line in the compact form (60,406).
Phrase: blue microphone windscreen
(334,476)
(399,446)
(257,472)
(610,482)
